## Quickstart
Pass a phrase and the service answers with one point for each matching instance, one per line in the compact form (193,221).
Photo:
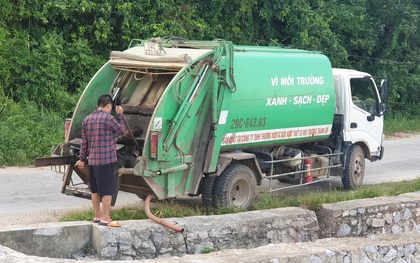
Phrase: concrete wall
(48,240)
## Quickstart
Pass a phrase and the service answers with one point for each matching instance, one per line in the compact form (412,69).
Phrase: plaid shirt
(99,131)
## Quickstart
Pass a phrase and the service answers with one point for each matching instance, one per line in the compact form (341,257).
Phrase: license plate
(151,48)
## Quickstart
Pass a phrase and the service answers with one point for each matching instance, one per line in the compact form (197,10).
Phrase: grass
(207,250)
(162,209)
(401,124)
(88,249)
(126,213)
(310,200)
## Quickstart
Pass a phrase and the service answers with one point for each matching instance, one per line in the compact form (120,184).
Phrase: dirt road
(32,195)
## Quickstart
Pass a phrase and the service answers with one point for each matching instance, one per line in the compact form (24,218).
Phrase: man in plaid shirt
(99,132)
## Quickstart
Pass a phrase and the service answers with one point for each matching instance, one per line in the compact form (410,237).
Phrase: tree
(397,53)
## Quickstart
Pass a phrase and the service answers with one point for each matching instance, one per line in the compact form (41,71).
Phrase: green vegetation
(88,249)
(314,200)
(408,125)
(28,132)
(164,209)
(49,50)
(126,213)
(207,250)
(310,200)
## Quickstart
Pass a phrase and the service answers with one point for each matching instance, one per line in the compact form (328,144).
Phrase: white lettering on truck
(275,81)
(301,81)
(287,81)
(284,81)
(299,100)
(322,99)
(276,101)
(311,80)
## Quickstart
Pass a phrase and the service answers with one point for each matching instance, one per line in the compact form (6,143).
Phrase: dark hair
(104,100)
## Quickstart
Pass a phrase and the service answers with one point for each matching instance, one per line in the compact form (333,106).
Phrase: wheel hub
(239,194)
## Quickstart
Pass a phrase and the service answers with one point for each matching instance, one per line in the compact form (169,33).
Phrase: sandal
(110,224)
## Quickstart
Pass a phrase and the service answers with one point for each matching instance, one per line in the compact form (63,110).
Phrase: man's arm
(118,127)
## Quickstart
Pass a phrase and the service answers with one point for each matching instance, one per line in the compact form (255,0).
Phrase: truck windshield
(364,95)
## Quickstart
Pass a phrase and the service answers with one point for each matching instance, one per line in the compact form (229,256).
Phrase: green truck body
(212,118)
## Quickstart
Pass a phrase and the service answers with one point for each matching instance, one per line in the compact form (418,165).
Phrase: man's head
(105,103)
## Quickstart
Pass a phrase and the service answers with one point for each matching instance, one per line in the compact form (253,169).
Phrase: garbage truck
(215,119)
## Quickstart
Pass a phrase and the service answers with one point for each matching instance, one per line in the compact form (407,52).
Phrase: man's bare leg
(106,208)
(96,203)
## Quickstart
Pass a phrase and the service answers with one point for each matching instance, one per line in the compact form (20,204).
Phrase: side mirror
(383,108)
(384,89)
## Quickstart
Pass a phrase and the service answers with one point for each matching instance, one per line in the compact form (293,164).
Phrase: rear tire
(354,170)
(235,187)
(207,190)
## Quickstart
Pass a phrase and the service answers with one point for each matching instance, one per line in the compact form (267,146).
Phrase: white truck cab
(359,102)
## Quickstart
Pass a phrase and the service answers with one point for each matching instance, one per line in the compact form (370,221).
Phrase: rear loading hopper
(166,92)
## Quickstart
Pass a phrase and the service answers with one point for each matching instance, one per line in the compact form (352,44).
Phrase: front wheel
(235,187)
(354,170)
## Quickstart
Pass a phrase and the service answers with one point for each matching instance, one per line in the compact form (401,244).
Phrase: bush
(28,133)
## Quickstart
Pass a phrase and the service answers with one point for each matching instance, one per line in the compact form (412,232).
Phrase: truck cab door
(365,116)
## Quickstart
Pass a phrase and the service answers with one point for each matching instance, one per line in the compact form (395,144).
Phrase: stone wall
(396,248)
(141,239)
(359,218)
(366,217)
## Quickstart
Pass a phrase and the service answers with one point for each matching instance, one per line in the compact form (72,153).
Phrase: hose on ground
(157,219)
(162,221)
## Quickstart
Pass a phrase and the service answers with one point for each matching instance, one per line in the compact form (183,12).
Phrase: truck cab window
(363,96)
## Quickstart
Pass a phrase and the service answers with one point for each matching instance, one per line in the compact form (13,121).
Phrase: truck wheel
(354,170)
(207,190)
(235,187)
